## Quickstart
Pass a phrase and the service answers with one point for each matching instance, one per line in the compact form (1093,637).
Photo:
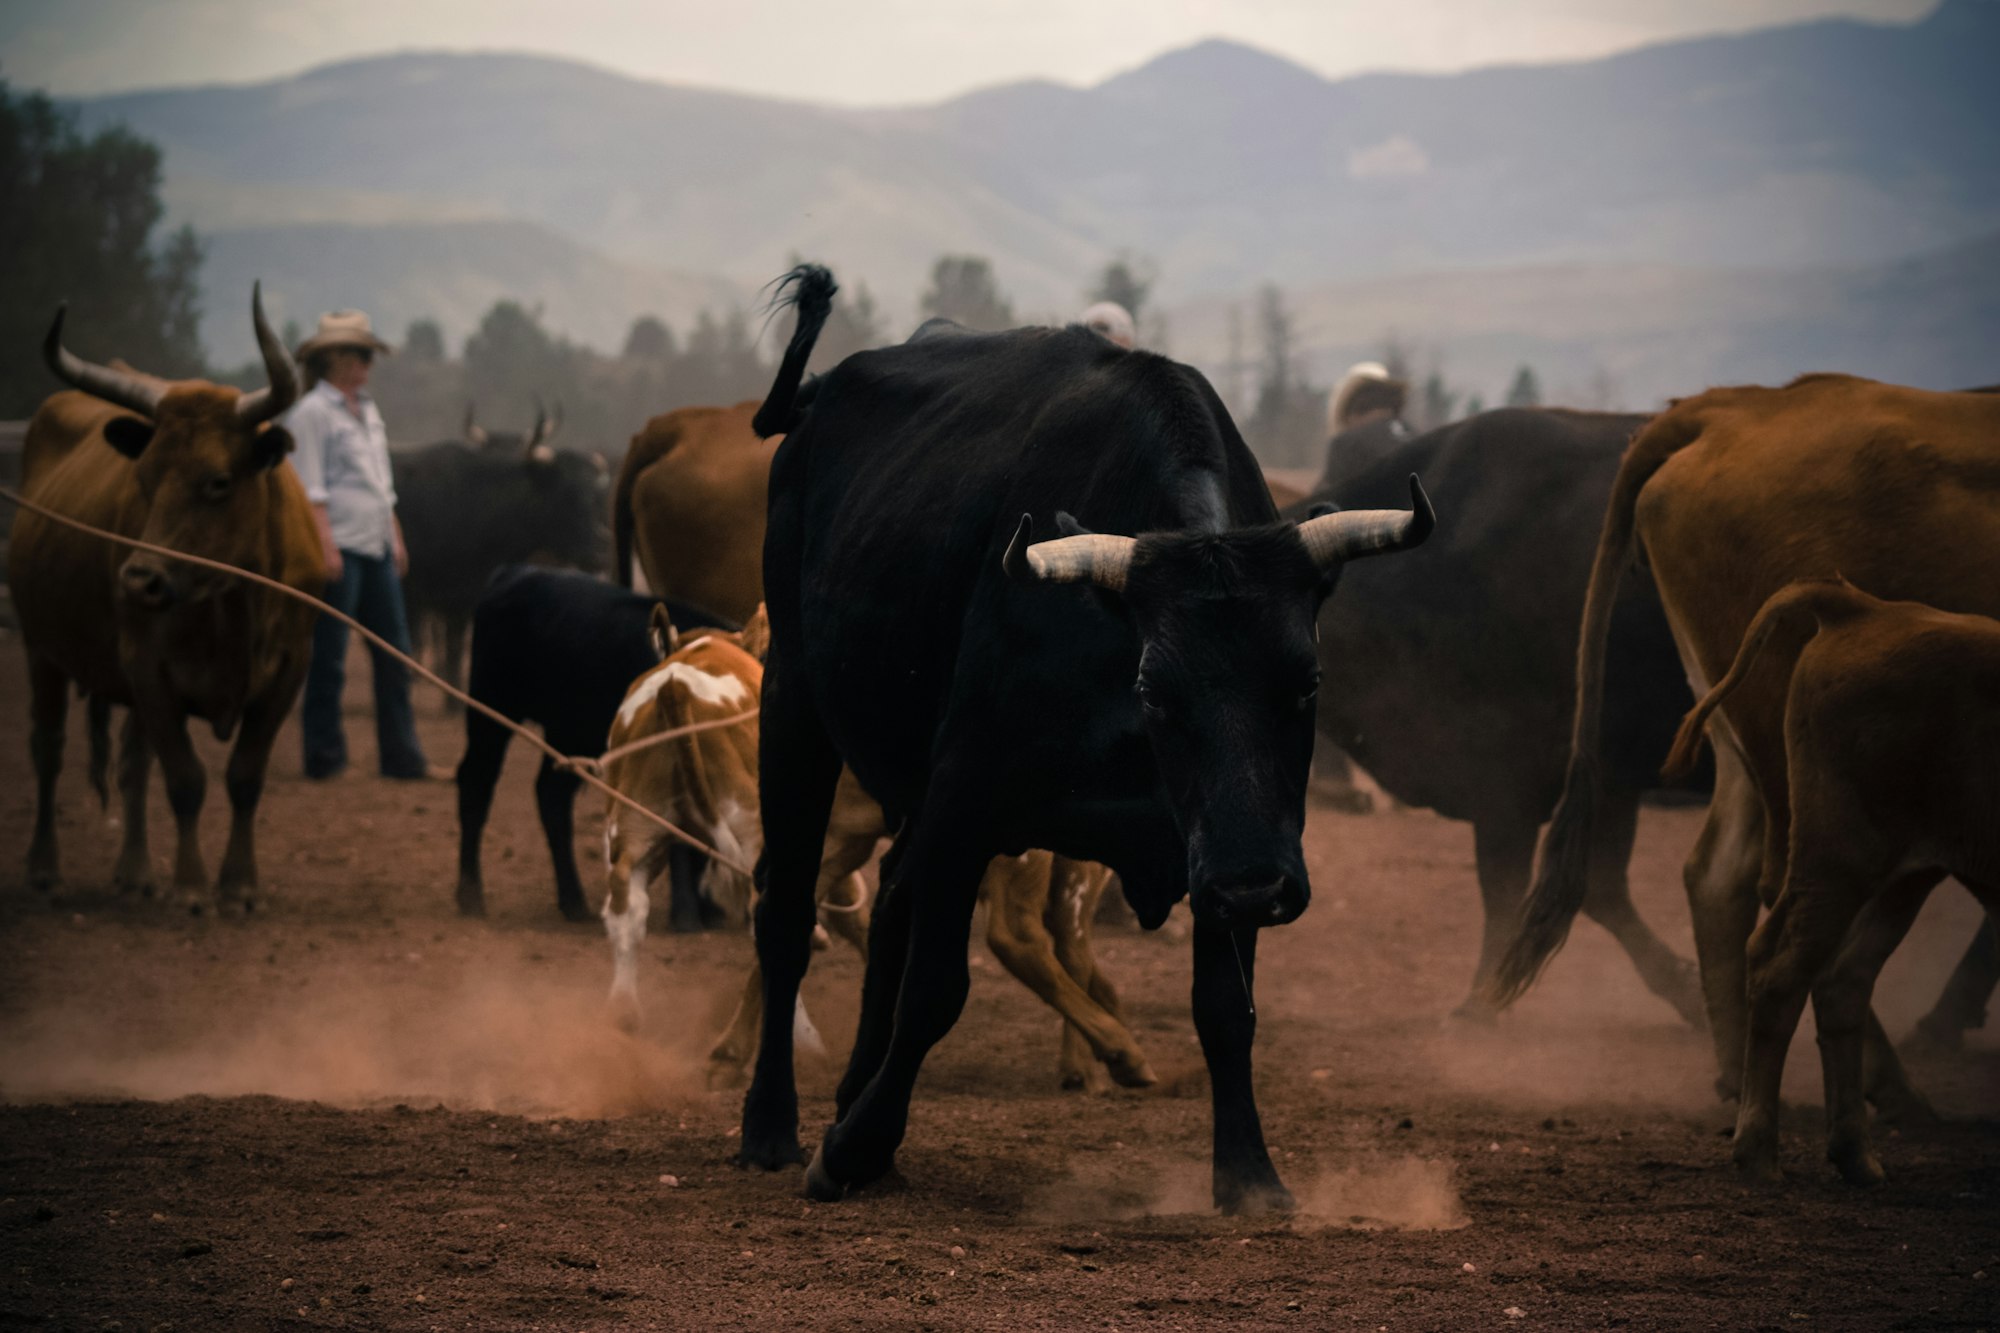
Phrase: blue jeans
(368,590)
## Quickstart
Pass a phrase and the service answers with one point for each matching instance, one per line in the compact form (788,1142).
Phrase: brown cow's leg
(1503,849)
(99,708)
(1608,902)
(187,787)
(1076,889)
(1017,899)
(1962,1005)
(1841,1009)
(244,780)
(846,894)
(1786,953)
(134,872)
(1721,880)
(48,718)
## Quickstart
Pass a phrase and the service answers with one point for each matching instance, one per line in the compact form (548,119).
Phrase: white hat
(1111,320)
(1358,376)
(342,328)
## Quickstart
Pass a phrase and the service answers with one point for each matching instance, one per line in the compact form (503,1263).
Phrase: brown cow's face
(206,479)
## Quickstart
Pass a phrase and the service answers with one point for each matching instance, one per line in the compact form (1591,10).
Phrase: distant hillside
(1829,143)
(1633,335)
(452,272)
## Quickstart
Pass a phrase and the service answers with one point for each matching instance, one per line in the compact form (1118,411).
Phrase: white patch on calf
(739,836)
(627,930)
(805,1036)
(706,686)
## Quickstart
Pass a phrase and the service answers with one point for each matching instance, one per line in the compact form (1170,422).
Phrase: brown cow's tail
(1829,600)
(1563,878)
(810,287)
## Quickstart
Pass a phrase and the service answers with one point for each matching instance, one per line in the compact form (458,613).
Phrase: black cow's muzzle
(147,584)
(1243,902)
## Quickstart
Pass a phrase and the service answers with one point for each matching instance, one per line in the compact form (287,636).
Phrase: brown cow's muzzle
(147,583)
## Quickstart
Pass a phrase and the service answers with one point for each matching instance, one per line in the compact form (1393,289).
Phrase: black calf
(557,649)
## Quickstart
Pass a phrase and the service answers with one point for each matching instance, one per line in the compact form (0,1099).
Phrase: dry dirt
(358,1111)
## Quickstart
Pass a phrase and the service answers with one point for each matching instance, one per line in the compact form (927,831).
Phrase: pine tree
(963,289)
(1526,390)
(78,226)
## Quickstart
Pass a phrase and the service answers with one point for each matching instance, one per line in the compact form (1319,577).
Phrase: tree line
(82,226)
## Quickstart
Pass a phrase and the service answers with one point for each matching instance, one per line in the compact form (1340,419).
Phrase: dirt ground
(356,1110)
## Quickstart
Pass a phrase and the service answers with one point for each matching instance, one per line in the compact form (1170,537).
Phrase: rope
(582,767)
(584,764)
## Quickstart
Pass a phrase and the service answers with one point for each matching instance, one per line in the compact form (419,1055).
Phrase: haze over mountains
(1726,208)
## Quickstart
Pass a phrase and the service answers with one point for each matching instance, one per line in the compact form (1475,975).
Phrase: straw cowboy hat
(342,328)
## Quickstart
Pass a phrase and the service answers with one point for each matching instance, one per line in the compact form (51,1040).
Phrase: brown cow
(1039,906)
(689,507)
(1892,752)
(1732,495)
(197,467)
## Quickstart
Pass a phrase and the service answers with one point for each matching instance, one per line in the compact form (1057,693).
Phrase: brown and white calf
(1039,906)
(705,782)
(1892,753)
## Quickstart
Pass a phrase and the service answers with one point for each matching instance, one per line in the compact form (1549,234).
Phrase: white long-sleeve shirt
(342,456)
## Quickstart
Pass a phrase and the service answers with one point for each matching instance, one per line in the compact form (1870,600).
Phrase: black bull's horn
(1331,540)
(142,393)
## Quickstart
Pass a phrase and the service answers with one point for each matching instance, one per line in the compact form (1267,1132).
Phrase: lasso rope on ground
(585,767)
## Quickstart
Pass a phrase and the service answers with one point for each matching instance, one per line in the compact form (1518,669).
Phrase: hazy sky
(858,52)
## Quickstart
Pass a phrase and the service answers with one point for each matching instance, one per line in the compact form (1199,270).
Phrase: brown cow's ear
(128,435)
(271,446)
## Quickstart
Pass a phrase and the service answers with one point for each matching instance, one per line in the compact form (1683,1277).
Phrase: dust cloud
(1372,1193)
(462,1033)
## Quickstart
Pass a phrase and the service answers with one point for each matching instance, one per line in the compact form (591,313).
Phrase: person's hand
(402,555)
(330,557)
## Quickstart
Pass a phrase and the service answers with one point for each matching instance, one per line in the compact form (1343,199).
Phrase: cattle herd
(1023,606)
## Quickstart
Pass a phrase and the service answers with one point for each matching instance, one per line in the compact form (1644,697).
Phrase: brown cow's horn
(1354,533)
(261,405)
(132,392)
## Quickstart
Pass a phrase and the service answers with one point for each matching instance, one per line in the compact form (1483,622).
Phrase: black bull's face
(1227,680)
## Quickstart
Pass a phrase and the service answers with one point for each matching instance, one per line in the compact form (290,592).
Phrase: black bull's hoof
(773,1153)
(1253,1195)
(820,1184)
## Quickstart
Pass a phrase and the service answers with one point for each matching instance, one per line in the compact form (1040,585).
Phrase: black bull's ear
(128,435)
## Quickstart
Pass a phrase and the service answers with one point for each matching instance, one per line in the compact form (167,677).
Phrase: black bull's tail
(1563,879)
(810,288)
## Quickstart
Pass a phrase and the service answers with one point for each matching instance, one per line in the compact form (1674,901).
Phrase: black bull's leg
(1225,1018)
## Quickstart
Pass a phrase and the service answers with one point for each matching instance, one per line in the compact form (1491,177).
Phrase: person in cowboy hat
(341,451)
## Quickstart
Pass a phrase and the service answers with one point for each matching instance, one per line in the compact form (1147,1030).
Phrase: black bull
(468,511)
(1450,674)
(1158,719)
